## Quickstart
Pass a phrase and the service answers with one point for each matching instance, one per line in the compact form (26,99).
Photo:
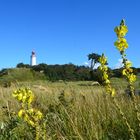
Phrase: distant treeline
(66,72)
(71,72)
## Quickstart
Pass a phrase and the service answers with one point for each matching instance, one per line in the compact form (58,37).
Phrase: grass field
(72,111)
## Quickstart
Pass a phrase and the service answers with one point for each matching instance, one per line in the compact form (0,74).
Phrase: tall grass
(72,111)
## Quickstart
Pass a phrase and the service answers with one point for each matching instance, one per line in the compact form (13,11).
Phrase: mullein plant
(111,91)
(121,44)
(30,115)
(105,78)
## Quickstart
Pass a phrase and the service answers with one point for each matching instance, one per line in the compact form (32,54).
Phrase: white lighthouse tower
(33,59)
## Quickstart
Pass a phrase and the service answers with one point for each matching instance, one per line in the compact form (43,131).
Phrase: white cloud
(119,64)
(96,65)
(88,64)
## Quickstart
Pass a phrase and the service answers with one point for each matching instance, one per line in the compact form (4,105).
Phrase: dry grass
(72,111)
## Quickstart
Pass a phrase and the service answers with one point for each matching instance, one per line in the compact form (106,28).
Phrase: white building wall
(33,60)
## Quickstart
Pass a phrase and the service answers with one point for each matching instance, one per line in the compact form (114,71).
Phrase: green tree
(94,59)
(22,65)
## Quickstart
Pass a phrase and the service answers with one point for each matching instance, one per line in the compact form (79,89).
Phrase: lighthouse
(33,59)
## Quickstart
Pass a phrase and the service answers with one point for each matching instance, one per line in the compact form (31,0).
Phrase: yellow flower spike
(107,81)
(31,111)
(121,44)
(109,89)
(21,112)
(130,70)
(104,69)
(124,72)
(29,92)
(128,64)
(132,78)
(30,99)
(20,96)
(26,117)
(24,99)
(105,76)
(103,60)
(30,115)
(14,95)
(31,123)
(24,95)
(100,68)
(121,30)
(39,115)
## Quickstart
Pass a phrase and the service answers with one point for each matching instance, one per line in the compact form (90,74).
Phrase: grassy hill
(20,74)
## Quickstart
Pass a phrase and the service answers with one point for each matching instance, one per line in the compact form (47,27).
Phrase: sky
(66,31)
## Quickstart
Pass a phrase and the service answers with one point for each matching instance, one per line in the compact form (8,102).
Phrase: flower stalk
(121,44)
(104,69)
(30,115)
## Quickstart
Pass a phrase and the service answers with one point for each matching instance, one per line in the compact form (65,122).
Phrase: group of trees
(71,72)
(68,72)
(94,57)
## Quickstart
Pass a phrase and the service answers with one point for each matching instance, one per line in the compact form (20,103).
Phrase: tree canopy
(94,57)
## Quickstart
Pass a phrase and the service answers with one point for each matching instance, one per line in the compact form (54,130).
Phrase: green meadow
(71,111)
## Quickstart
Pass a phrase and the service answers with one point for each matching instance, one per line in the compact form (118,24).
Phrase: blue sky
(64,31)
